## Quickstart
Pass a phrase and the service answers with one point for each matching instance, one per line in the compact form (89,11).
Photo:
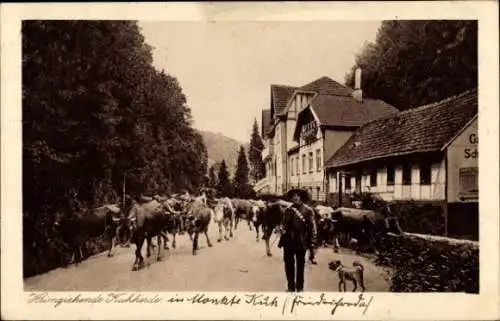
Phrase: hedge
(418,217)
(429,264)
(44,250)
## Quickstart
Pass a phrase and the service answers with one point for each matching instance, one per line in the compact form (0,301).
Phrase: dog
(354,274)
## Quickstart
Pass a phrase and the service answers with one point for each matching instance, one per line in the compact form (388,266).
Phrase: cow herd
(138,221)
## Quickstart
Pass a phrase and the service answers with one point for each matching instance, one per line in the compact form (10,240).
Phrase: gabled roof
(333,110)
(279,98)
(424,129)
(265,122)
(325,85)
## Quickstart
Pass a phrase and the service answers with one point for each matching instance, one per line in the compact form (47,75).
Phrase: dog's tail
(358,265)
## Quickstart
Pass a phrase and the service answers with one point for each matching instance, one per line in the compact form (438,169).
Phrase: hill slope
(221,147)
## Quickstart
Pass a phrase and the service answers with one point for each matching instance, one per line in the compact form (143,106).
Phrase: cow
(326,226)
(272,218)
(150,220)
(243,210)
(365,226)
(174,222)
(177,207)
(101,221)
(258,208)
(202,198)
(229,216)
(223,218)
(199,216)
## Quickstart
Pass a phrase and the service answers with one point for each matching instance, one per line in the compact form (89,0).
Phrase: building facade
(307,125)
(327,114)
(274,134)
(425,154)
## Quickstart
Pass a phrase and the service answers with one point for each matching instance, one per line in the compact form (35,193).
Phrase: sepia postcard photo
(250,161)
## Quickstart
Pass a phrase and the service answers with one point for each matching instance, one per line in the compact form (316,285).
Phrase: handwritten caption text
(290,304)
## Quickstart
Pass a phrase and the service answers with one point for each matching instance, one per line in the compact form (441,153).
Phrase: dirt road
(236,265)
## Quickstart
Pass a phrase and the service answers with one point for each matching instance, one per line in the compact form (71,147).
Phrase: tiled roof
(280,95)
(325,85)
(265,122)
(333,110)
(423,129)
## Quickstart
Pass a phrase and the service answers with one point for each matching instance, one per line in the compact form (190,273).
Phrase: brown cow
(150,220)
(101,221)
(243,210)
(199,216)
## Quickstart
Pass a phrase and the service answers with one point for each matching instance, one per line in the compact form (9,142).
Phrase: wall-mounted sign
(471,151)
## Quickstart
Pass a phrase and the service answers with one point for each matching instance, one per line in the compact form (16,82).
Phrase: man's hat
(303,194)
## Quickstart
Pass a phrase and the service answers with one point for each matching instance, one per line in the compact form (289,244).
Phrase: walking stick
(278,235)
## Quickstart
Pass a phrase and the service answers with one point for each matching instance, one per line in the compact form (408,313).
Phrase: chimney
(357,94)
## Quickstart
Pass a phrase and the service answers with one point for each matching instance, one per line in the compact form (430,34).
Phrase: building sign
(309,132)
(463,166)
(471,151)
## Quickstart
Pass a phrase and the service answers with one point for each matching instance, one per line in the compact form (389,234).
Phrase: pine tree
(223,186)
(240,182)
(212,178)
(257,168)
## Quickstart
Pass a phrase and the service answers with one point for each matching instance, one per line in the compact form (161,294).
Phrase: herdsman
(298,235)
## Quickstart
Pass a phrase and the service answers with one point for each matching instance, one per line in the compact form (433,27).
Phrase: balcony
(268,151)
(265,153)
(262,185)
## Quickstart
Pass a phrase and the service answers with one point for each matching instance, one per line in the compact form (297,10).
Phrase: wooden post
(340,188)
(445,209)
(123,191)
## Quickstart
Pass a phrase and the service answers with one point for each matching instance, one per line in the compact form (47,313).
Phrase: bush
(45,250)
(425,218)
(423,265)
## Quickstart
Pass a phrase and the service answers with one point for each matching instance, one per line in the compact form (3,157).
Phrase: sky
(226,68)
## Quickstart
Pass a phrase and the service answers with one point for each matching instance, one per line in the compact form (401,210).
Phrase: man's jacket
(299,228)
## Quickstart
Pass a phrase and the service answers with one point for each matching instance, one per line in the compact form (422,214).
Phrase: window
(317,192)
(425,173)
(318,160)
(390,174)
(303,163)
(347,182)
(406,174)
(467,180)
(311,162)
(291,166)
(373,178)
(297,165)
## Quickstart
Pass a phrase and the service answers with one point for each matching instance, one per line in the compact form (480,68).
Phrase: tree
(223,186)
(240,181)
(97,113)
(212,178)
(257,167)
(418,62)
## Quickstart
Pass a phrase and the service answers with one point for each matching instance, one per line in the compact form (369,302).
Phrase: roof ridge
(287,86)
(439,102)
(323,77)
(419,108)
(394,135)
